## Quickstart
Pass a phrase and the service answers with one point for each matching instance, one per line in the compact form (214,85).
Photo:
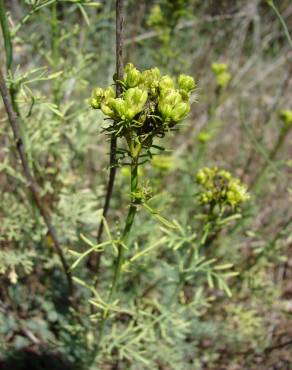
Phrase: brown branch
(94,260)
(31,182)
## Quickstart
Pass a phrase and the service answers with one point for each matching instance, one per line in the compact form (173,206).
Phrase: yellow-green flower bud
(165,110)
(95,103)
(96,98)
(98,93)
(109,93)
(286,116)
(179,111)
(128,67)
(107,107)
(136,98)
(223,79)
(171,106)
(202,175)
(170,96)
(150,81)
(155,73)
(166,82)
(120,107)
(132,77)
(186,83)
(218,68)
(204,136)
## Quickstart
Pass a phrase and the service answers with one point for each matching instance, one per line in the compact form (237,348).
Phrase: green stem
(121,252)
(126,232)
(27,16)
(6,35)
(286,31)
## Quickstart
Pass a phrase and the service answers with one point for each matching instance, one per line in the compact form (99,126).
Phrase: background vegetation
(217,319)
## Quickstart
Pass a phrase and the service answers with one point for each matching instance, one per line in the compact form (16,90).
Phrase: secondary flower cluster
(149,106)
(220,188)
(221,72)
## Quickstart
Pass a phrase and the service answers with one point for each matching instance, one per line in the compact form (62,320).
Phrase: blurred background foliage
(61,51)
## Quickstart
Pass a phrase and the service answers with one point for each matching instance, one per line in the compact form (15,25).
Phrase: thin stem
(126,232)
(6,36)
(31,182)
(286,31)
(95,259)
(26,17)
(121,252)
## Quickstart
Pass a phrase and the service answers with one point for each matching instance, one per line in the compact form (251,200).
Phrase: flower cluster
(286,116)
(221,73)
(149,106)
(220,188)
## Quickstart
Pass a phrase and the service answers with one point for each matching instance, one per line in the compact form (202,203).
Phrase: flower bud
(109,93)
(165,110)
(204,136)
(107,108)
(166,82)
(180,111)
(136,98)
(98,93)
(150,78)
(223,79)
(128,67)
(95,103)
(171,97)
(186,83)
(120,107)
(96,98)
(218,68)
(132,76)
(201,176)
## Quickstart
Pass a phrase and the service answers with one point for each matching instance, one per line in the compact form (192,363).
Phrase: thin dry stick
(31,182)
(95,258)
